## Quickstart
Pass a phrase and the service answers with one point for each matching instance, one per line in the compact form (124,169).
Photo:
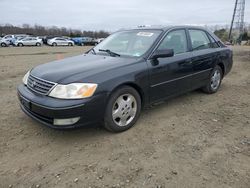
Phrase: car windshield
(132,43)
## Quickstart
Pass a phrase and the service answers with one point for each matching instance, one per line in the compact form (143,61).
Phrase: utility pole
(237,23)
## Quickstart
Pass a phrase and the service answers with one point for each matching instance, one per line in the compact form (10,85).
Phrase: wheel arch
(222,66)
(134,86)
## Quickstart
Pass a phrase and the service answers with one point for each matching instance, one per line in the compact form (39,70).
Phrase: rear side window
(199,40)
(213,44)
(175,40)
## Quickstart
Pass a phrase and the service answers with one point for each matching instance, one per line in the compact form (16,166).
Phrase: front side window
(199,40)
(132,43)
(175,40)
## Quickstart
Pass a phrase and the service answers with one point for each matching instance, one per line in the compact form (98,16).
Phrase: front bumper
(45,109)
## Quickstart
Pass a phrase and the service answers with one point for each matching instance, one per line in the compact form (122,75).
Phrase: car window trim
(210,36)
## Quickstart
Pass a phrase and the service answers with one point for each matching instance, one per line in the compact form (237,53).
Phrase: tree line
(38,30)
(224,33)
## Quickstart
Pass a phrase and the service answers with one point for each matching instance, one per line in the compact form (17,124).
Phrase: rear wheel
(123,109)
(20,44)
(38,44)
(214,82)
(70,44)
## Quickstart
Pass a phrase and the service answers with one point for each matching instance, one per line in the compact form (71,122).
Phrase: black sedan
(129,70)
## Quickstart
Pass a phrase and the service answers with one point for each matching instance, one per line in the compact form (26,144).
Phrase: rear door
(171,75)
(204,56)
(33,41)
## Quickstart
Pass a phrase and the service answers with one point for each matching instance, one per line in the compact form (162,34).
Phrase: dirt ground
(195,140)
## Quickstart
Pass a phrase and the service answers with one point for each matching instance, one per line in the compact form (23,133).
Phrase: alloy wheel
(124,110)
(215,80)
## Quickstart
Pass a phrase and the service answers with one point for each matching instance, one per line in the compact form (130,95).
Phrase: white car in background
(4,42)
(59,41)
(28,41)
(100,40)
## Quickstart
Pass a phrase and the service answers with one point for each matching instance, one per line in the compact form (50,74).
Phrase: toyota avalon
(130,70)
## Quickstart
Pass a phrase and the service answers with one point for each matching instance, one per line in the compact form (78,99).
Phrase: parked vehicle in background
(60,41)
(13,38)
(28,41)
(78,41)
(10,38)
(4,42)
(89,41)
(100,40)
(21,36)
(46,38)
(85,41)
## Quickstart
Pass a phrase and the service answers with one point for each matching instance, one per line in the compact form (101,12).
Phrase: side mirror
(163,53)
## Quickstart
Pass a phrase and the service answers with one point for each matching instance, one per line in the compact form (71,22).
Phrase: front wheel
(123,109)
(38,44)
(54,44)
(214,82)
(70,44)
(3,44)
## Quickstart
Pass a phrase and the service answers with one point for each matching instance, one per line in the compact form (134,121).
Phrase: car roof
(165,28)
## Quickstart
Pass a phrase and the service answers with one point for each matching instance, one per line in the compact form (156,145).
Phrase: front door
(171,75)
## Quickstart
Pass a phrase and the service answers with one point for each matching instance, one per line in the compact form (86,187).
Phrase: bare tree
(38,30)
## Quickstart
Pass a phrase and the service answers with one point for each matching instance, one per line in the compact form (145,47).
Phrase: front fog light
(69,121)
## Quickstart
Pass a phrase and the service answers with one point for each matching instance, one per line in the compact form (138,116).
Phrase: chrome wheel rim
(124,110)
(215,80)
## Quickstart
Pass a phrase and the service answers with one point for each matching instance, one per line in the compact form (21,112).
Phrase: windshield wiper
(110,52)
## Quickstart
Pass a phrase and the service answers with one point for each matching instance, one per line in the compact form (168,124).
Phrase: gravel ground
(195,140)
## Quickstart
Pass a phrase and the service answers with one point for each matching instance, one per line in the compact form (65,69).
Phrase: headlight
(73,91)
(25,78)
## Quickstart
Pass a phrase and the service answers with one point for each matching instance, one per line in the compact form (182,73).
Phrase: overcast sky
(114,14)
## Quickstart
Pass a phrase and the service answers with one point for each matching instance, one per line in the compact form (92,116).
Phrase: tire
(82,44)
(38,44)
(95,44)
(214,82)
(70,44)
(127,113)
(54,44)
(3,44)
(20,44)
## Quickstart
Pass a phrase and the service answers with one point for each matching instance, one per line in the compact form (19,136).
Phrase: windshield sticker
(145,34)
(137,54)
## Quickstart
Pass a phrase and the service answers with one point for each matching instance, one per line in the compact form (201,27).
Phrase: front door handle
(186,62)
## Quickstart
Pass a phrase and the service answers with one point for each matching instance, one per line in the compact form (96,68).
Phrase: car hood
(76,69)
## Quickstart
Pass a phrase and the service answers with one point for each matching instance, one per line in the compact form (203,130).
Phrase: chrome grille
(39,85)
